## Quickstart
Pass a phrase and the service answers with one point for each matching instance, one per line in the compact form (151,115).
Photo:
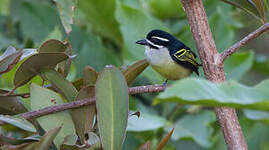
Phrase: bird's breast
(161,61)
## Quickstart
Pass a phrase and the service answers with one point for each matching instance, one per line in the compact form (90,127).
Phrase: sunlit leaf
(9,59)
(33,65)
(112,107)
(203,92)
(66,10)
(18,122)
(41,98)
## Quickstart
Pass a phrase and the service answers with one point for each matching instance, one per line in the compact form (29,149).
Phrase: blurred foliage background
(104,32)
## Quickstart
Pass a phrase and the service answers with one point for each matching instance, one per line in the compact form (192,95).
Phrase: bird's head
(158,39)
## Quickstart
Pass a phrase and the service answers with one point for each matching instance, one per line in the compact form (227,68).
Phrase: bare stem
(83,102)
(241,43)
(214,72)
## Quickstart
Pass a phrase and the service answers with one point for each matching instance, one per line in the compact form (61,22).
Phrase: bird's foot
(165,85)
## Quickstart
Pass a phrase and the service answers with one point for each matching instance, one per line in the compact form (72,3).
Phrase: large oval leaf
(42,97)
(112,107)
(203,92)
(33,65)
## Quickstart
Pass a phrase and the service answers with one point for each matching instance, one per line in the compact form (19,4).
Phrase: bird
(169,56)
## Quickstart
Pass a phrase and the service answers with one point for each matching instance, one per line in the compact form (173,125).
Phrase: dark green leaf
(33,65)
(232,94)
(52,45)
(60,83)
(112,107)
(47,139)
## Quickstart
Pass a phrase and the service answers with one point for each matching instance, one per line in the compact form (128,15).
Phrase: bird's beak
(142,42)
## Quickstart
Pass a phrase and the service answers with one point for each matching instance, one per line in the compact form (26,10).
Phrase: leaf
(10,105)
(139,23)
(9,59)
(83,117)
(261,64)
(89,49)
(145,146)
(246,6)
(60,83)
(112,107)
(165,140)
(195,127)
(89,76)
(78,84)
(103,21)
(33,65)
(18,141)
(18,122)
(134,70)
(41,98)
(145,122)
(257,115)
(52,45)
(260,6)
(37,18)
(47,139)
(66,10)
(203,92)
(238,64)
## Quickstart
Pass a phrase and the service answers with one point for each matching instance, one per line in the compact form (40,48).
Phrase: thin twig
(83,102)
(241,43)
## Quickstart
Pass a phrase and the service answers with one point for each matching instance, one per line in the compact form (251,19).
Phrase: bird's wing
(186,55)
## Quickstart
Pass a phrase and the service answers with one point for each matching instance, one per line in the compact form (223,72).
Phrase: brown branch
(84,102)
(208,54)
(241,43)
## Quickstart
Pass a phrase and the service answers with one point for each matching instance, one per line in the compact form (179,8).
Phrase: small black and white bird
(169,56)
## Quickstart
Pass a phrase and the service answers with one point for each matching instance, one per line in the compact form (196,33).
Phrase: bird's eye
(155,41)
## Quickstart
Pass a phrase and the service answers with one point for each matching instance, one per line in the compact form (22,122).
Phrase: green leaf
(18,122)
(66,10)
(146,122)
(134,70)
(202,92)
(37,18)
(18,141)
(10,105)
(55,34)
(33,65)
(257,115)
(246,6)
(238,64)
(52,45)
(9,59)
(89,49)
(4,7)
(41,98)
(112,107)
(261,64)
(60,83)
(100,14)
(47,139)
(140,24)
(83,117)
(195,127)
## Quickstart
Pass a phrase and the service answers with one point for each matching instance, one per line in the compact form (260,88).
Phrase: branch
(241,43)
(208,54)
(83,102)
